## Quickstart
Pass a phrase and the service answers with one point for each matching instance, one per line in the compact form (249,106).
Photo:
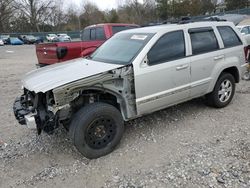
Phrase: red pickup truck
(92,37)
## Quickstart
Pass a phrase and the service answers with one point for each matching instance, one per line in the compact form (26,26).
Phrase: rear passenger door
(205,55)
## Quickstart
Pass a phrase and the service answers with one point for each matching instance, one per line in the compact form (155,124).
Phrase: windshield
(121,48)
(4,36)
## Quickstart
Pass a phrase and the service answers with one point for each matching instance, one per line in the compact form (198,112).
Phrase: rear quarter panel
(233,57)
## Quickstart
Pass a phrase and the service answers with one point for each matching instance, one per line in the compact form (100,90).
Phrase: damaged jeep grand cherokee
(134,73)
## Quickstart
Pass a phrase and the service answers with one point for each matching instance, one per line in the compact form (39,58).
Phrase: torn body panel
(117,84)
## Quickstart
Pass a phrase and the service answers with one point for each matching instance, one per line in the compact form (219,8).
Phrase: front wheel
(223,92)
(96,129)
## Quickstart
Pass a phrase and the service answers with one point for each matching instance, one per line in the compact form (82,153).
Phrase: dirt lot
(189,145)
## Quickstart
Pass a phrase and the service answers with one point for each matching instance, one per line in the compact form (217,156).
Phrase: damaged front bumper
(23,114)
(31,110)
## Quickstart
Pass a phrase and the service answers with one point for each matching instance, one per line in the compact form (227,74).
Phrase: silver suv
(136,72)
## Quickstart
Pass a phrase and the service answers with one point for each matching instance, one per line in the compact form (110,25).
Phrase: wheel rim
(100,132)
(246,76)
(225,91)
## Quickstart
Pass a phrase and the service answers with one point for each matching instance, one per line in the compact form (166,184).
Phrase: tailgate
(46,53)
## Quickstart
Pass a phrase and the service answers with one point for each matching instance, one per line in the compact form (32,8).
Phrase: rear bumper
(24,115)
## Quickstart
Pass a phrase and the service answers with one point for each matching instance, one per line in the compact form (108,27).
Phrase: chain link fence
(75,35)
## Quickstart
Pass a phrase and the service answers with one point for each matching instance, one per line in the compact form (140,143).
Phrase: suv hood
(53,76)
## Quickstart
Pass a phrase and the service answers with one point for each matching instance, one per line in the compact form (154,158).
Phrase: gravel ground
(188,145)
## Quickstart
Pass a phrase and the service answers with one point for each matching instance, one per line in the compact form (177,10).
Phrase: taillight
(61,52)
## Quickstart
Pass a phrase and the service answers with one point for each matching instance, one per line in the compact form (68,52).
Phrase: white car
(245,31)
(134,73)
(1,42)
(51,37)
(63,35)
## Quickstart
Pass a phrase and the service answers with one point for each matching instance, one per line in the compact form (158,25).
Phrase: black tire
(96,129)
(214,99)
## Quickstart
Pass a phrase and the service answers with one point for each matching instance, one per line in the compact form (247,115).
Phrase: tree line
(51,15)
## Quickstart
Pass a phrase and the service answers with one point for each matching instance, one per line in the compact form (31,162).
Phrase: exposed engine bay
(56,107)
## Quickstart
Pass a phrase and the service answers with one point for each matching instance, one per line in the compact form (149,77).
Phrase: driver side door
(165,79)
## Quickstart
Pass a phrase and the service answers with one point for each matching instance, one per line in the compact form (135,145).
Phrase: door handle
(219,57)
(181,67)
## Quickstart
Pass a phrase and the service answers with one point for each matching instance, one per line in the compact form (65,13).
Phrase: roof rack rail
(186,20)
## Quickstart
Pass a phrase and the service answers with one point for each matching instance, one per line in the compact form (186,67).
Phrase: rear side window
(203,40)
(229,37)
(170,46)
(116,29)
(100,35)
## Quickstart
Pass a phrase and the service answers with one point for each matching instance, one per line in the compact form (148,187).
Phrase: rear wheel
(223,91)
(96,129)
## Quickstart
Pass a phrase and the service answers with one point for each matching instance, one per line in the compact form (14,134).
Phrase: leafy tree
(37,11)
(112,16)
(236,4)
(91,14)
(6,14)
(164,8)
(207,6)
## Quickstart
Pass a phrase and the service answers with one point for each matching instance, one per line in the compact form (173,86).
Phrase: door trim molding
(163,94)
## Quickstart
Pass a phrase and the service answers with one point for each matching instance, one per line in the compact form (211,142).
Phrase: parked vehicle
(64,36)
(5,38)
(246,75)
(50,37)
(92,37)
(245,31)
(39,40)
(28,39)
(1,42)
(93,96)
(61,39)
(15,41)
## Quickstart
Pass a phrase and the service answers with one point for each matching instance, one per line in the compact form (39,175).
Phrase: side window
(229,37)
(245,30)
(92,34)
(100,35)
(86,35)
(170,46)
(203,40)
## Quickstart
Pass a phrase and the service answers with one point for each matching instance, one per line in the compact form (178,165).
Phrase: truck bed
(50,53)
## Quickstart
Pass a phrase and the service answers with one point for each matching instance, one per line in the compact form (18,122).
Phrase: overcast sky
(102,4)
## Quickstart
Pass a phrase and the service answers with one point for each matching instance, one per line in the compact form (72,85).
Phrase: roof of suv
(166,27)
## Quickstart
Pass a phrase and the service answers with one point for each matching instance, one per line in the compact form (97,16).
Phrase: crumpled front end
(30,110)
